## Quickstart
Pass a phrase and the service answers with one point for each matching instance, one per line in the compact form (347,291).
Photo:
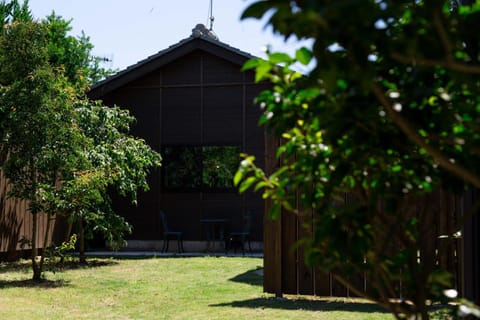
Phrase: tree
(73,53)
(60,151)
(14,11)
(388,114)
(38,137)
(114,159)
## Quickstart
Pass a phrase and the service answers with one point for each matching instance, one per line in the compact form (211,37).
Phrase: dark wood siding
(471,247)
(222,115)
(197,99)
(286,272)
(16,223)
(183,71)
(181,111)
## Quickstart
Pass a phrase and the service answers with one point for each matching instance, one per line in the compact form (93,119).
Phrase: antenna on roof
(211,18)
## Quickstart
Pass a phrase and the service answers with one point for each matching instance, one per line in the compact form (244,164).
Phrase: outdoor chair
(168,234)
(237,239)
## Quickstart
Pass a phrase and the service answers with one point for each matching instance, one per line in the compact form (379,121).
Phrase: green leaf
(396,168)
(256,10)
(342,84)
(275,212)
(303,55)
(261,184)
(262,70)
(247,183)
(251,64)
(279,57)
(238,177)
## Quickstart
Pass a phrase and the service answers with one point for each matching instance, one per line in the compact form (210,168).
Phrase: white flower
(277,97)
(450,293)
(323,147)
(394,94)
(463,311)
(445,96)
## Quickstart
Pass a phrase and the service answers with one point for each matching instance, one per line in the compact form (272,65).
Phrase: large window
(200,167)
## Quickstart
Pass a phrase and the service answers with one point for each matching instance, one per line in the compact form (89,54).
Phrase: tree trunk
(37,271)
(81,245)
(45,241)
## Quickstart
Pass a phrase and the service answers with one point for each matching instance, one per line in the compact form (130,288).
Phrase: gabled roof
(197,41)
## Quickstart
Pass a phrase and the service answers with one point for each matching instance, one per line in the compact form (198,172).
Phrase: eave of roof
(166,56)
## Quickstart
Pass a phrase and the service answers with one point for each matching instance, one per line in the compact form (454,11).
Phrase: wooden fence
(16,224)
(286,273)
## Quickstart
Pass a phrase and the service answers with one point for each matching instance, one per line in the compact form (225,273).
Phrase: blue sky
(127,31)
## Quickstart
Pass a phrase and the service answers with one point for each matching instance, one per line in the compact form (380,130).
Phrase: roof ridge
(170,48)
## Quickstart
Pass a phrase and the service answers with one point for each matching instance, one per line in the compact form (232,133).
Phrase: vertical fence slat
(305,274)
(290,259)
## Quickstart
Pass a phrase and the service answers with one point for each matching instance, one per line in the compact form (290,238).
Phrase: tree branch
(447,64)
(442,33)
(455,169)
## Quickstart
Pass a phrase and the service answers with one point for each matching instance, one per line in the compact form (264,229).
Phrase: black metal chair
(168,234)
(237,239)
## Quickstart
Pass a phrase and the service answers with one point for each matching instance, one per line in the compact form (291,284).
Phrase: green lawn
(163,288)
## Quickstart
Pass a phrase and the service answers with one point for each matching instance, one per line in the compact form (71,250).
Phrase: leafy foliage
(74,54)
(60,151)
(388,115)
(14,11)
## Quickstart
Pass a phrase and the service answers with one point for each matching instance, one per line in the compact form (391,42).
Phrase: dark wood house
(195,106)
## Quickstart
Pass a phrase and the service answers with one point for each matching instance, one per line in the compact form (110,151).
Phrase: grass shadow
(305,304)
(91,263)
(252,277)
(23,267)
(16,266)
(29,283)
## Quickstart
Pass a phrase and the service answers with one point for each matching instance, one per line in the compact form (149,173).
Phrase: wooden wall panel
(16,223)
(181,114)
(222,115)
(144,105)
(471,247)
(253,201)
(153,79)
(183,71)
(146,110)
(290,258)
(216,70)
(306,278)
(272,230)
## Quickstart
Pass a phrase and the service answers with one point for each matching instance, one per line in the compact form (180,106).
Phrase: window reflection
(200,167)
